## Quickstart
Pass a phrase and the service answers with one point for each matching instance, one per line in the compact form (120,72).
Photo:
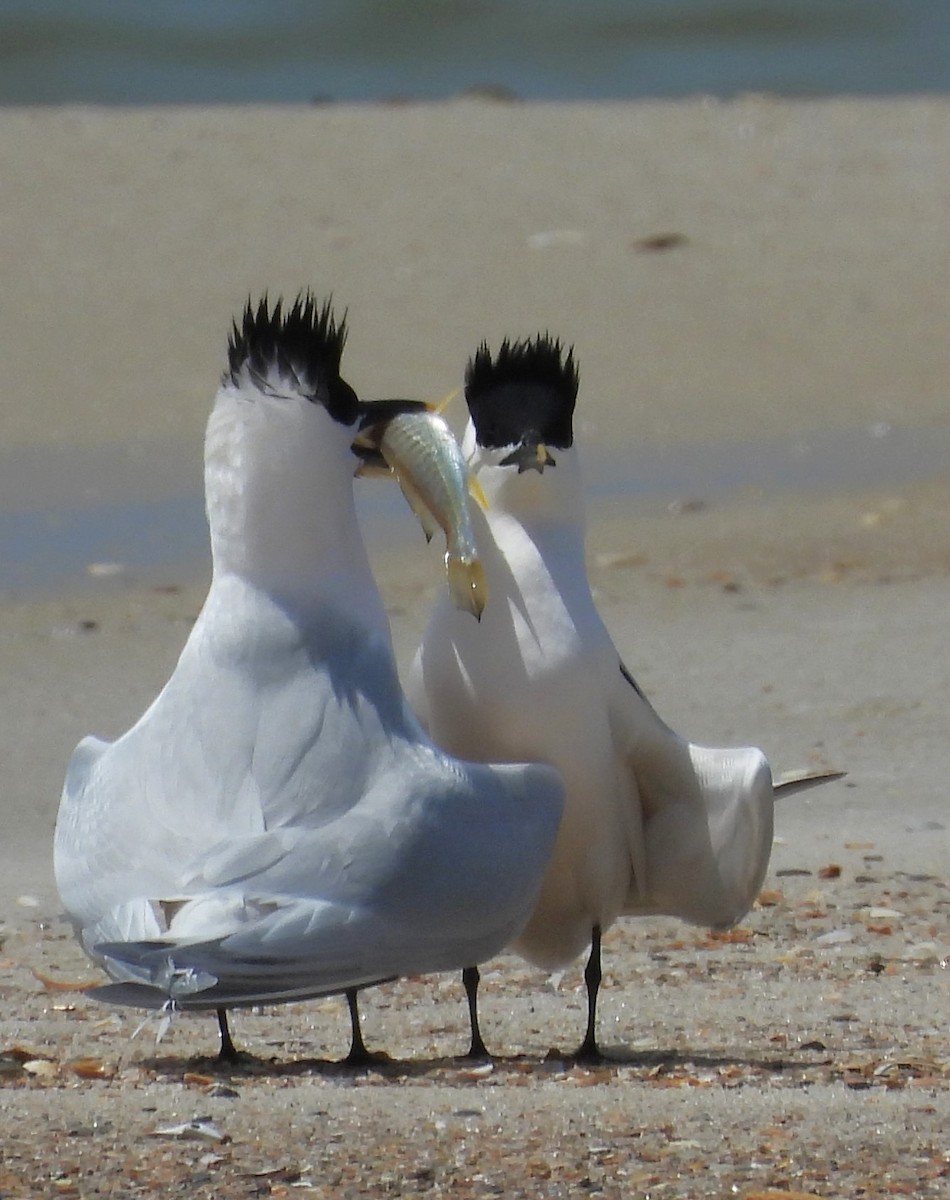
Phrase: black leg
(588,1051)
(228,1052)
(470,980)
(358,1056)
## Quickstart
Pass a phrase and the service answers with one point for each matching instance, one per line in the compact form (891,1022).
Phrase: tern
(653,823)
(277,825)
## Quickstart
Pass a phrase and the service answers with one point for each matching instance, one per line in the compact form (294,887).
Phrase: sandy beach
(749,286)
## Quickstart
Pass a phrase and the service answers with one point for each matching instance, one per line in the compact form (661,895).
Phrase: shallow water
(140,513)
(229,51)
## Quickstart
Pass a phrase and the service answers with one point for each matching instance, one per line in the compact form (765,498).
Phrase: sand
(802,300)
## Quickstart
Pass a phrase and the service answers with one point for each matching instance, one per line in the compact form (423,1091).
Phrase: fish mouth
(374,417)
(530,455)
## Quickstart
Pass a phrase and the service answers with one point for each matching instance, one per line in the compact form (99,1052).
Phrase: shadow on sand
(462,1069)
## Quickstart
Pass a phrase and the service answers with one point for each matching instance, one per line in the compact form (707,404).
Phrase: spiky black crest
(527,391)
(302,346)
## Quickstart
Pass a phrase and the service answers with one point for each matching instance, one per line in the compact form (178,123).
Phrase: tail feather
(790,783)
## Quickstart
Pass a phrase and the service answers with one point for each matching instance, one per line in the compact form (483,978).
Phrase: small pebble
(835,937)
(925,953)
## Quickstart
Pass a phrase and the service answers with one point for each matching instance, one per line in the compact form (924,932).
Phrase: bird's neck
(548,507)
(279,496)
(536,533)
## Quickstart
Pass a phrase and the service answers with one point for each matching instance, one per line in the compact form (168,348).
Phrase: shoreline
(122,518)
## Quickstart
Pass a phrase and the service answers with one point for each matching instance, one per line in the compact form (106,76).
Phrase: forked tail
(467,583)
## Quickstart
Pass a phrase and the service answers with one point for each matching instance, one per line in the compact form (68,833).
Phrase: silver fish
(421,451)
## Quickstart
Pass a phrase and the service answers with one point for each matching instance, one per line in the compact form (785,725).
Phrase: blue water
(106,510)
(300,51)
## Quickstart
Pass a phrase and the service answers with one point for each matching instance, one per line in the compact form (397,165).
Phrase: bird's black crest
(528,390)
(304,345)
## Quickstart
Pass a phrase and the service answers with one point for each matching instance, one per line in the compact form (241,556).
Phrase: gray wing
(433,873)
(276,822)
(230,748)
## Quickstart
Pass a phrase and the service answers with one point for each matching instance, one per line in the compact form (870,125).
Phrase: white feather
(277,825)
(652,823)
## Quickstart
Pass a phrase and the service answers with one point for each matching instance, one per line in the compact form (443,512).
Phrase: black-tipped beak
(531,455)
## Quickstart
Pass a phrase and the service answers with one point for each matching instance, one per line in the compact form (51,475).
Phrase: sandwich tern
(276,825)
(652,823)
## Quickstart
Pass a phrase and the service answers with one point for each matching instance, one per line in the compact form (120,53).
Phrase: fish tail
(467,582)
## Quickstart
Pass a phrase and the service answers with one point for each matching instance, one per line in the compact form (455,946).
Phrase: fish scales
(422,453)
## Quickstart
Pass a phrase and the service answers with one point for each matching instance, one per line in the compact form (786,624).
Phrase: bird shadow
(651,1060)
(462,1069)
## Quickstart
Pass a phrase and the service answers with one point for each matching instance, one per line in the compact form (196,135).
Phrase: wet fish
(418,447)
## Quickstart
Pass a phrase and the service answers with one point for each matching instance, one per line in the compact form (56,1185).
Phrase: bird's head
(292,355)
(521,407)
(288,361)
